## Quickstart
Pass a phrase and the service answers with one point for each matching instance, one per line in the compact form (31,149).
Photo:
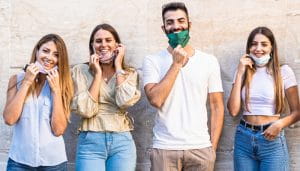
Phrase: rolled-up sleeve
(82,103)
(128,93)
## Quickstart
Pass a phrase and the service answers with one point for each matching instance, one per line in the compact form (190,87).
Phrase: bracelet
(25,67)
(120,72)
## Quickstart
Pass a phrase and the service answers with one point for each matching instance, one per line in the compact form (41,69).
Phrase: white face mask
(261,61)
(42,69)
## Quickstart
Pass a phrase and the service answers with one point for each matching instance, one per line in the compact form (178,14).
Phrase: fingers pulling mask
(42,69)
(181,38)
(106,57)
(261,61)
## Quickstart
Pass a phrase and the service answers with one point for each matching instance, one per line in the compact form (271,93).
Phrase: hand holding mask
(106,57)
(181,38)
(42,70)
(119,55)
(261,61)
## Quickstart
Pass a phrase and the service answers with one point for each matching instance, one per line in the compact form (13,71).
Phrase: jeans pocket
(273,140)
(82,136)
(238,133)
(277,138)
(152,152)
(126,136)
(238,130)
(148,152)
(283,140)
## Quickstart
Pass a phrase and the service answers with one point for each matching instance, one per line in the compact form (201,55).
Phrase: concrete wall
(219,27)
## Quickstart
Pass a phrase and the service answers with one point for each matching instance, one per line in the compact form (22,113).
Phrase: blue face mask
(181,38)
(262,61)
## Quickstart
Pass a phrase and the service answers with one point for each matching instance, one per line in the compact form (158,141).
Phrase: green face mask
(181,38)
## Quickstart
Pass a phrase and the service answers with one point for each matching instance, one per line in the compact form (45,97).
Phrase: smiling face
(47,55)
(175,21)
(260,45)
(104,42)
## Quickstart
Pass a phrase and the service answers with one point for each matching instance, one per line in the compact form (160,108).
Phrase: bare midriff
(260,119)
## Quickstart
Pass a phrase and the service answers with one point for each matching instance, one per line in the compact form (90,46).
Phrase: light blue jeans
(105,151)
(253,152)
(15,166)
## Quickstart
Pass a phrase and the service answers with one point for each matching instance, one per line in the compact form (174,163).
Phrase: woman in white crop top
(259,90)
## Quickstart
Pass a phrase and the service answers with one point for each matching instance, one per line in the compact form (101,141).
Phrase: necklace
(107,73)
(108,77)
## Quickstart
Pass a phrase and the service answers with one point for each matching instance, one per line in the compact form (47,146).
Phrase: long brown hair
(273,68)
(65,80)
(106,27)
(110,29)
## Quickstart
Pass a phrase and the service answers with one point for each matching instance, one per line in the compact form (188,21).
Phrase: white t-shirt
(261,94)
(181,123)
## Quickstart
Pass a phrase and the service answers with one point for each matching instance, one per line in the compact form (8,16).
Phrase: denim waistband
(254,127)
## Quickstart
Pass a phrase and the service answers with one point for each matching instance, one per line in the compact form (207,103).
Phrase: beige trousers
(182,160)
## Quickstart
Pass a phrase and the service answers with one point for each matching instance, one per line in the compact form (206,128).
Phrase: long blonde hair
(273,68)
(65,80)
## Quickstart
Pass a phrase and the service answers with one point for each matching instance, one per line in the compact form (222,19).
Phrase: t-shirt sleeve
(288,77)
(150,71)
(214,80)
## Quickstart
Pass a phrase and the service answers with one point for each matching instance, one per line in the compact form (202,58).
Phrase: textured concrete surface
(219,27)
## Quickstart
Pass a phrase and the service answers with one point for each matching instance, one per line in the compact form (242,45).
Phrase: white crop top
(262,100)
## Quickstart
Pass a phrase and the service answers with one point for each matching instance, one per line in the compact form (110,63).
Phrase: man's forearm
(217,117)
(216,127)
(158,93)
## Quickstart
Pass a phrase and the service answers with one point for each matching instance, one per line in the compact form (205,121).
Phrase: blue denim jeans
(253,152)
(15,166)
(105,151)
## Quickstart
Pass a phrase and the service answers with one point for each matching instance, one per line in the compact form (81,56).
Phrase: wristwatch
(120,72)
